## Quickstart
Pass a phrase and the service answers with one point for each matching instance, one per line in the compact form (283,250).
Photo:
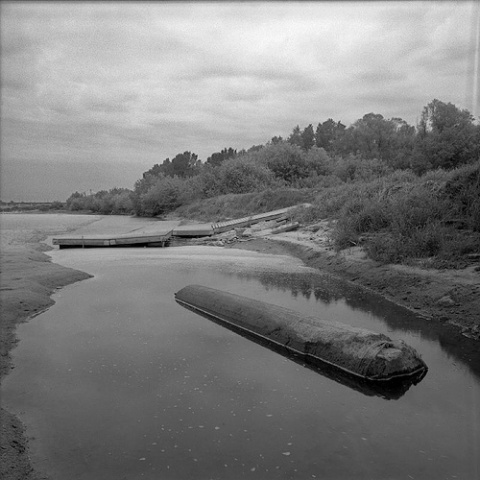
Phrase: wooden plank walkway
(221,227)
(157,238)
(194,230)
(123,240)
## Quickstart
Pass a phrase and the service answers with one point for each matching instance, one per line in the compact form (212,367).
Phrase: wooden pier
(162,238)
(124,240)
(221,227)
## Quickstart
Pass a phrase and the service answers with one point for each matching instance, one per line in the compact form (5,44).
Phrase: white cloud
(167,77)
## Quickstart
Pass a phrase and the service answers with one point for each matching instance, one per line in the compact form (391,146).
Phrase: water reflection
(389,390)
(328,289)
(123,383)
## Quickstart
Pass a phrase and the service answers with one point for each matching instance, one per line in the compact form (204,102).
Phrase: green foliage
(224,207)
(463,189)
(162,197)
(374,137)
(295,137)
(447,138)
(328,134)
(357,216)
(76,202)
(402,216)
(217,158)
(183,165)
(116,201)
(244,175)
(401,192)
(352,169)
(12,206)
(318,161)
(286,161)
(308,138)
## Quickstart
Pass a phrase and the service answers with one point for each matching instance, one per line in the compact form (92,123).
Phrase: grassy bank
(230,206)
(431,220)
(402,218)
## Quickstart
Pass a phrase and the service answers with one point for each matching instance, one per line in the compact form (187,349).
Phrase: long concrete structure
(361,353)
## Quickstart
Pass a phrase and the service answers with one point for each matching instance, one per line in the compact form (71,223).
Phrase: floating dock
(221,227)
(124,240)
(162,238)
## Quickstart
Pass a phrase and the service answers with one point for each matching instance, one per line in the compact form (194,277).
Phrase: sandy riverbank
(28,279)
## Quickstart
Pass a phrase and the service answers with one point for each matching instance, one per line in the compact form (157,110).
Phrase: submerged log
(356,351)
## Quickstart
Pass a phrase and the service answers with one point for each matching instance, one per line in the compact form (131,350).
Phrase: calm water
(17,228)
(118,381)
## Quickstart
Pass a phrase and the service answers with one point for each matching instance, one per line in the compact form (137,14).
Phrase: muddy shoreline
(450,297)
(447,300)
(447,303)
(28,280)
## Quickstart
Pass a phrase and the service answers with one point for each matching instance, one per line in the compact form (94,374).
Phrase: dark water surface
(117,381)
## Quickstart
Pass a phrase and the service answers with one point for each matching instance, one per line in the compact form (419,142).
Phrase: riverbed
(117,380)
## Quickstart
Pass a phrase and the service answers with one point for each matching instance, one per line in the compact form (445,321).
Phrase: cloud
(148,80)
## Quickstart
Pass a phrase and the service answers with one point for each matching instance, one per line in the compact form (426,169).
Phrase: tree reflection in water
(329,289)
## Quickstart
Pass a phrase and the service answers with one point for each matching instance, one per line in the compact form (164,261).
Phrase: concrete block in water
(360,352)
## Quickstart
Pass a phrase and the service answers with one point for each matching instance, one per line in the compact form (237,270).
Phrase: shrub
(244,175)
(413,219)
(462,188)
(162,197)
(354,169)
(359,216)
(229,206)
(286,161)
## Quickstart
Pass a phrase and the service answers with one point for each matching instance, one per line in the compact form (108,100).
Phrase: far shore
(448,297)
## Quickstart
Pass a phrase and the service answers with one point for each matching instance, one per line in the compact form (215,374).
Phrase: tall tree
(276,140)
(438,116)
(217,158)
(185,164)
(295,137)
(308,138)
(447,137)
(327,133)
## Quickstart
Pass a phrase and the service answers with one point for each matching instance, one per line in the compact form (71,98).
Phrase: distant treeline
(326,156)
(31,206)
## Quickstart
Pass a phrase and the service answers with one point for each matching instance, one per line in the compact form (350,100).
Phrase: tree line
(446,137)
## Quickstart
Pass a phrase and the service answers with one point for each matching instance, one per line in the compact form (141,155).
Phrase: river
(118,381)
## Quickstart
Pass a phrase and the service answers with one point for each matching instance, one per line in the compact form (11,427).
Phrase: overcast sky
(94,94)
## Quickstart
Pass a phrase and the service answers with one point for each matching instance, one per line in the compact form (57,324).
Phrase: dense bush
(401,191)
(118,201)
(353,169)
(421,217)
(162,197)
(244,175)
(229,206)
